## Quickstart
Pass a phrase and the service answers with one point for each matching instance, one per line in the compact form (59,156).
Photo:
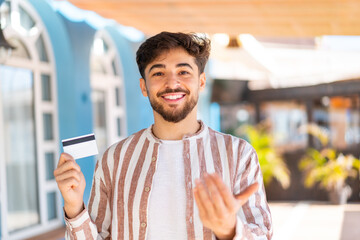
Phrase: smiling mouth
(173,97)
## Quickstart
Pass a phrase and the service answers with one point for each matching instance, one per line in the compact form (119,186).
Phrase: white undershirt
(166,215)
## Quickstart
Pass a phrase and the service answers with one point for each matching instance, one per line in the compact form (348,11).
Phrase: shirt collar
(198,134)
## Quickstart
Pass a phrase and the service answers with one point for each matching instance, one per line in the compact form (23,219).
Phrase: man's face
(173,84)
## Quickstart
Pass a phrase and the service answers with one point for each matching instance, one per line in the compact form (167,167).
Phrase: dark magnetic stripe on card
(78,140)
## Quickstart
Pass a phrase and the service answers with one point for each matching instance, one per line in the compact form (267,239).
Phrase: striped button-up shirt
(118,205)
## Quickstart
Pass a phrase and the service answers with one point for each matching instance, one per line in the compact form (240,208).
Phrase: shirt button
(188,156)
(143,225)
(153,159)
(147,189)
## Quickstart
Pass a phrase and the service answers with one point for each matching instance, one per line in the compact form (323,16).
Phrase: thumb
(244,196)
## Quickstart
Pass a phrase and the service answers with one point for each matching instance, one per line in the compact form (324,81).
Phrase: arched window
(30,201)
(108,95)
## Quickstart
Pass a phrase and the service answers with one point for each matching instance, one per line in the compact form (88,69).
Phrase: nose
(172,81)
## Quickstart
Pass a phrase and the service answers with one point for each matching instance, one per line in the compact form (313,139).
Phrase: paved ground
(299,221)
(315,221)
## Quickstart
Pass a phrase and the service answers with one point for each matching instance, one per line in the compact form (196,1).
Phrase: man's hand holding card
(68,175)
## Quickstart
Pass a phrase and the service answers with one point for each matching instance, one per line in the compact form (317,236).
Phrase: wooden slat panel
(297,18)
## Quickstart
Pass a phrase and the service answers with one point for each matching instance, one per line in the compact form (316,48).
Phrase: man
(178,179)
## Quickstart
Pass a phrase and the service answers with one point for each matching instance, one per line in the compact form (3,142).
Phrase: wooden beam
(341,88)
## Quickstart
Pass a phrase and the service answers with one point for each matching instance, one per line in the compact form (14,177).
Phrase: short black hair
(195,45)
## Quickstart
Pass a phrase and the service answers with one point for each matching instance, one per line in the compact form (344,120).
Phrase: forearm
(254,218)
(81,227)
(87,224)
(71,211)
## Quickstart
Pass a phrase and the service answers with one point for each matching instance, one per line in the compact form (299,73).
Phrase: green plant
(271,163)
(327,167)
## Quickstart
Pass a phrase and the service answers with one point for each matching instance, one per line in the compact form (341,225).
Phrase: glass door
(20,201)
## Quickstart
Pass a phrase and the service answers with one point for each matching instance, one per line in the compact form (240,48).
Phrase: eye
(158,74)
(183,72)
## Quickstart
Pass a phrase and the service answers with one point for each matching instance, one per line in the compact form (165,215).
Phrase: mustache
(176,90)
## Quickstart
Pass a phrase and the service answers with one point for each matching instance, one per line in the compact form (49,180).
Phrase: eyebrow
(184,65)
(156,66)
(163,66)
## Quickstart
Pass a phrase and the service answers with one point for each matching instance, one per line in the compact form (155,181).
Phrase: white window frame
(41,107)
(107,82)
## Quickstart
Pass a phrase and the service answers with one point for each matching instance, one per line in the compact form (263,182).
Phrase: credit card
(81,146)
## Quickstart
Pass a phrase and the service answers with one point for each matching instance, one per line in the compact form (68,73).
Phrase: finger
(225,192)
(244,196)
(70,183)
(201,207)
(68,165)
(204,198)
(69,174)
(215,196)
(64,157)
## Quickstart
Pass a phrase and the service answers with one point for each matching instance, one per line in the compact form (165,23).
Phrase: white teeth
(173,97)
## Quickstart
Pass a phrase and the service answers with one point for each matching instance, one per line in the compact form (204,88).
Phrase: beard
(175,114)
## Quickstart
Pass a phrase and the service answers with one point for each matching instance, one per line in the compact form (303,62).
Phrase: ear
(202,81)
(143,87)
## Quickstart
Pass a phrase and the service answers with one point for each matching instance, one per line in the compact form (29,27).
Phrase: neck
(175,131)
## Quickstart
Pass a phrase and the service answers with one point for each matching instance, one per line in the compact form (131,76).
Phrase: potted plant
(328,167)
(271,163)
